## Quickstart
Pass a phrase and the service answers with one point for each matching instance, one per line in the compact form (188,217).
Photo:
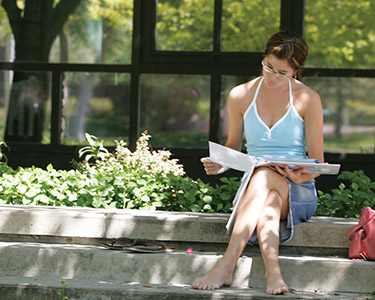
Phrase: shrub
(349,198)
(2,155)
(147,179)
(143,179)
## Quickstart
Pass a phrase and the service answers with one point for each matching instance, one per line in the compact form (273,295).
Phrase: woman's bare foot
(276,284)
(214,279)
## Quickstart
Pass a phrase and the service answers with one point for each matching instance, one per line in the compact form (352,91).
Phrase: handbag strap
(357,227)
(360,243)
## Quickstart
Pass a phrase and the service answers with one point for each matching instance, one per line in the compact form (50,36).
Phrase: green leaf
(195,208)
(32,192)
(207,199)
(21,189)
(354,186)
(145,198)
(207,207)
(225,196)
(42,198)
(50,168)
(224,180)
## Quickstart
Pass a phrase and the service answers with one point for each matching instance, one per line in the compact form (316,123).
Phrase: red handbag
(362,236)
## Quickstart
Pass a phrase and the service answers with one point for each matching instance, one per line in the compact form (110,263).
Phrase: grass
(351,142)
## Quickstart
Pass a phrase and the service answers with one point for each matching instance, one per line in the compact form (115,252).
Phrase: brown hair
(287,45)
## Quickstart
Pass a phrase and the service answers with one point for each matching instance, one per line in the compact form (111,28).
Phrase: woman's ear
(298,73)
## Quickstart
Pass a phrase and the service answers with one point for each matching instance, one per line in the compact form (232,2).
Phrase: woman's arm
(313,118)
(235,129)
(314,128)
(235,118)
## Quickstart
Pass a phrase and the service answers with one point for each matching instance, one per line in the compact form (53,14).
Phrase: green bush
(147,179)
(2,155)
(348,199)
(143,179)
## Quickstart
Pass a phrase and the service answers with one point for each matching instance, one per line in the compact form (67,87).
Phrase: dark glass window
(175,109)
(349,113)
(5,77)
(228,82)
(25,104)
(97,32)
(95,103)
(6,42)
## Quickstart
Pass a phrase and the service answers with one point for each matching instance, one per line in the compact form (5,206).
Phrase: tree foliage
(247,25)
(185,25)
(341,33)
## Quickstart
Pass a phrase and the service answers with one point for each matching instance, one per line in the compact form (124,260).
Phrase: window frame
(146,59)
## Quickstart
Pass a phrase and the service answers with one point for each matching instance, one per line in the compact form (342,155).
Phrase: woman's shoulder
(244,91)
(306,99)
(304,92)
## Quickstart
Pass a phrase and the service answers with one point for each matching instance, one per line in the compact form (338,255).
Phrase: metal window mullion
(292,15)
(218,12)
(135,111)
(215,107)
(215,83)
(56,110)
(134,103)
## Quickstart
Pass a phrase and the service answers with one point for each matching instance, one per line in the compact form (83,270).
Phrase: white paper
(241,190)
(230,158)
(243,162)
(315,168)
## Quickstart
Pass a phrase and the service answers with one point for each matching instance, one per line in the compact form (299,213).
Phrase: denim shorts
(303,202)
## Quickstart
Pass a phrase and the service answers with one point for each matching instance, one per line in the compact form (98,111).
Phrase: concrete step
(86,262)
(21,288)
(17,288)
(85,225)
(40,246)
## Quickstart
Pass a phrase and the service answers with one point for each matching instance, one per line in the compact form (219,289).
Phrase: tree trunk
(84,96)
(35,29)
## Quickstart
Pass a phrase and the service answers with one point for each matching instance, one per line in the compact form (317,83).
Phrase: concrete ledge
(165,226)
(19,288)
(326,274)
(96,263)
(78,262)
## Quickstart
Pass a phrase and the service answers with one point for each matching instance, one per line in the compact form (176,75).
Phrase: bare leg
(268,235)
(250,208)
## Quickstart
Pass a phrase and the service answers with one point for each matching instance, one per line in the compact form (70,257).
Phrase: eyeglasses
(277,74)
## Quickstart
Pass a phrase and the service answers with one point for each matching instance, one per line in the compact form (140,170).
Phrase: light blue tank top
(286,138)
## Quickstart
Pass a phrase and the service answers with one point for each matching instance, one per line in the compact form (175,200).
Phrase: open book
(243,162)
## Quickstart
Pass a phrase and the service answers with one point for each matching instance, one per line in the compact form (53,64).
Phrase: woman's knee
(260,179)
(266,178)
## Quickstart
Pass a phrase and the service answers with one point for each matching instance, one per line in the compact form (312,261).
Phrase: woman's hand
(212,168)
(294,175)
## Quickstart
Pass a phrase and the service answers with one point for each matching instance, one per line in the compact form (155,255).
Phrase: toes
(199,286)
(277,291)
